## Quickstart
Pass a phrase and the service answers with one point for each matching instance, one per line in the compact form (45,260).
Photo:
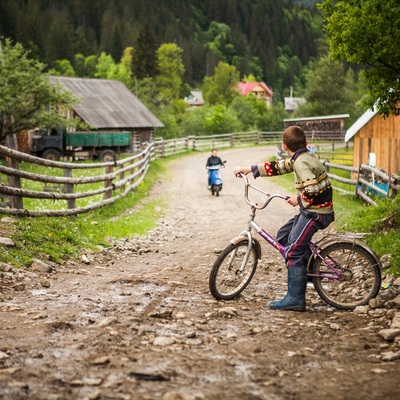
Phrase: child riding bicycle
(316,212)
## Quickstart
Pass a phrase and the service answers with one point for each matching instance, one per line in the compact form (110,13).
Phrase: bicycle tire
(361,278)
(226,281)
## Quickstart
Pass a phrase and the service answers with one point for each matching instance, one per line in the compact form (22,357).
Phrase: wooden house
(376,140)
(108,105)
(194,99)
(328,127)
(292,103)
(258,89)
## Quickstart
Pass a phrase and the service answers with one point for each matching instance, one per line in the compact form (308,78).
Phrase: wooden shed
(376,141)
(323,127)
(108,105)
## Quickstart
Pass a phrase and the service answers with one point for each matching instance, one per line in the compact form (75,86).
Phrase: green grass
(59,238)
(44,204)
(383,222)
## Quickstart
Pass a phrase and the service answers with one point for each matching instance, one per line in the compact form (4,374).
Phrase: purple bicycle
(345,272)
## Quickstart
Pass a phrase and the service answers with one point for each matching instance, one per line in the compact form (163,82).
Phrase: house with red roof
(259,89)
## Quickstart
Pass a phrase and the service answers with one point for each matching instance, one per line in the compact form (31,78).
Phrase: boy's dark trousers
(295,235)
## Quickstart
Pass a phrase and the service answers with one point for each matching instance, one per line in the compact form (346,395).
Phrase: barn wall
(382,137)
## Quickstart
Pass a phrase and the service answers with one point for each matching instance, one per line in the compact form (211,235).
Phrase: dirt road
(137,321)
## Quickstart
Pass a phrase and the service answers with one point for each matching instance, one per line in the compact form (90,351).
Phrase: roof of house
(291,103)
(366,117)
(107,103)
(339,116)
(195,98)
(247,87)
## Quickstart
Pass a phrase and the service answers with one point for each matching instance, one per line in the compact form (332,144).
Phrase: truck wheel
(107,155)
(51,154)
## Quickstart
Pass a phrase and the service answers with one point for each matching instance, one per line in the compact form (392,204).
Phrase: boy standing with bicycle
(314,199)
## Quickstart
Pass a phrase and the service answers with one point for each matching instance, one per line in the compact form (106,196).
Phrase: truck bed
(98,139)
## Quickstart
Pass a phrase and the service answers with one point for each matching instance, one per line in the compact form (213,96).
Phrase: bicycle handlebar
(248,185)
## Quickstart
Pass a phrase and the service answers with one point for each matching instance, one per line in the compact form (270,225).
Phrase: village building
(258,89)
(292,103)
(329,127)
(108,105)
(194,99)
(376,141)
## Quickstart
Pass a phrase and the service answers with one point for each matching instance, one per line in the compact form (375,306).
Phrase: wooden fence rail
(119,178)
(368,183)
(208,142)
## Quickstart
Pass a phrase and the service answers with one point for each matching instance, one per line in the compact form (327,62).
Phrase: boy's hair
(294,138)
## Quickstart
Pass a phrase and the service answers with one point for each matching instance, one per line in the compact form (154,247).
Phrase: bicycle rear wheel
(227,279)
(360,278)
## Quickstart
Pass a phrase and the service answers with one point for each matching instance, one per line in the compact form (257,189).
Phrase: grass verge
(59,238)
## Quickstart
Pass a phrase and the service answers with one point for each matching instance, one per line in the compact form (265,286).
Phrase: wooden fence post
(69,188)
(108,183)
(357,182)
(394,183)
(15,182)
(194,144)
(121,177)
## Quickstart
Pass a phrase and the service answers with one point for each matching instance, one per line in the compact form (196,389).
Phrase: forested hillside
(274,40)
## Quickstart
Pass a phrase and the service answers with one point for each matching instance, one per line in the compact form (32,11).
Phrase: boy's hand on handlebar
(241,170)
(293,201)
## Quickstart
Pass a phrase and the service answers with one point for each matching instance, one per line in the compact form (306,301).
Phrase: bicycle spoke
(228,278)
(358,278)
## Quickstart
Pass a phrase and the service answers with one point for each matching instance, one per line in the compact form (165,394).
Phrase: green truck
(104,146)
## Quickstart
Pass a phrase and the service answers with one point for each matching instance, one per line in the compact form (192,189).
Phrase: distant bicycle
(345,272)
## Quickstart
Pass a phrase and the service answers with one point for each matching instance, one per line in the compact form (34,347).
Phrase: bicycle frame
(271,240)
(345,272)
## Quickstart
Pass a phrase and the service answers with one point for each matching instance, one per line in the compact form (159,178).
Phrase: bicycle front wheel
(359,280)
(231,272)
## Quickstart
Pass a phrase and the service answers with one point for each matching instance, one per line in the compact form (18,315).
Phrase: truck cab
(48,143)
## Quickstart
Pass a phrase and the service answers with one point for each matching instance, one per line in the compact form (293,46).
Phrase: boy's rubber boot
(295,298)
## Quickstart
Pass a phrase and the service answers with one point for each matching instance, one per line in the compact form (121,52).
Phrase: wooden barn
(376,141)
(108,105)
(323,127)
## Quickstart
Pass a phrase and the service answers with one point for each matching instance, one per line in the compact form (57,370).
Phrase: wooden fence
(368,182)
(119,178)
(237,139)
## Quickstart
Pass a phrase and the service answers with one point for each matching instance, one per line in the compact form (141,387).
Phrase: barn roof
(107,103)
(324,117)
(366,117)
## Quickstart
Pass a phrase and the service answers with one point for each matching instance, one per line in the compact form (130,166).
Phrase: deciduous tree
(27,99)
(221,88)
(367,33)
(170,71)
